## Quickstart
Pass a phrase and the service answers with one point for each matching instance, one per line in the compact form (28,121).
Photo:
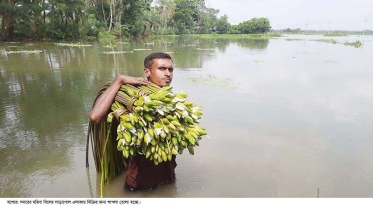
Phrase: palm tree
(166,8)
(151,21)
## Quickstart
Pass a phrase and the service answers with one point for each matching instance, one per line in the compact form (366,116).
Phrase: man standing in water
(141,173)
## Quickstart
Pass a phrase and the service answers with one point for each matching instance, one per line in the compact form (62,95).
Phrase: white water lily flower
(133,130)
(147,138)
(161,110)
(170,108)
(163,134)
(185,113)
(194,109)
(124,142)
(158,131)
(176,99)
(147,99)
(166,129)
(180,106)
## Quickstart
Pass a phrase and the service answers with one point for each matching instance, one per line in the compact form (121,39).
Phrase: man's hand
(132,80)
(103,103)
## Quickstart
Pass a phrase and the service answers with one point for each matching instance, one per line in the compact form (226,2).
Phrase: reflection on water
(298,120)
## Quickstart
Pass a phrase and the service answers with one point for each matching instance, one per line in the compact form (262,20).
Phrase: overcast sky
(304,14)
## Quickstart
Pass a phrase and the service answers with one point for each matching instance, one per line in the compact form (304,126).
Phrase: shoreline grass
(78,44)
(335,34)
(226,36)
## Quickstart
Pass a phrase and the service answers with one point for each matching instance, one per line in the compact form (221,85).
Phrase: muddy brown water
(285,116)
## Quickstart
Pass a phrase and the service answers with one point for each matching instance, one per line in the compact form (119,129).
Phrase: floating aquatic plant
(78,44)
(25,51)
(212,80)
(205,49)
(141,49)
(326,41)
(117,52)
(356,44)
(293,39)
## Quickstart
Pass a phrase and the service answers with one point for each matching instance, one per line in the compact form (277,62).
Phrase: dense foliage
(87,19)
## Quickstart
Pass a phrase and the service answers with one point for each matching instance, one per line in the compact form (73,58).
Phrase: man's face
(160,72)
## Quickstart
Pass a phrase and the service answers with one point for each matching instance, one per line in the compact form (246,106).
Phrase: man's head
(158,68)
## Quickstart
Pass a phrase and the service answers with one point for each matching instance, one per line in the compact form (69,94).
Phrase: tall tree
(207,20)
(185,16)
(151,21)
(255,26)
(8,11)
(167,9)
(222,25)
(132,19)
(66,18)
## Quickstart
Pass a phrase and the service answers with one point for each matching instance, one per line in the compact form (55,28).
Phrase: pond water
(286,117)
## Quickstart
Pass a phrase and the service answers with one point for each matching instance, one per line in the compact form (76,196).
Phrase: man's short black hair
(148,61)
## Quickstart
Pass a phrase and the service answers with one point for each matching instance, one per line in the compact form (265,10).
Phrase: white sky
(304,14)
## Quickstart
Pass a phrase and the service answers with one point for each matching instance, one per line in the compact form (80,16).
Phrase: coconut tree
(151,21)
(8,17)
(166,9)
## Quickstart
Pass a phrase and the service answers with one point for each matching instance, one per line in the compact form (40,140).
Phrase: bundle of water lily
(155,122)
(145,120)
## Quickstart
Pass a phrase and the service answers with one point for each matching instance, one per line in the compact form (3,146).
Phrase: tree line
(87,19)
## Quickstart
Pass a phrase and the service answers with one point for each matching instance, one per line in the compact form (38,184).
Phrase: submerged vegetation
(117,52)
(327,41)
(212,80)
(24,51)
(291,39)
(78,44)
(356,44)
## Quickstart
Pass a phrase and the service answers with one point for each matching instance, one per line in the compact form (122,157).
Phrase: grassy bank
(236,36)
(226,36)
(335,34)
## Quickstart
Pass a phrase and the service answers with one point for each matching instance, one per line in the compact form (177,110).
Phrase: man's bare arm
(104,101)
